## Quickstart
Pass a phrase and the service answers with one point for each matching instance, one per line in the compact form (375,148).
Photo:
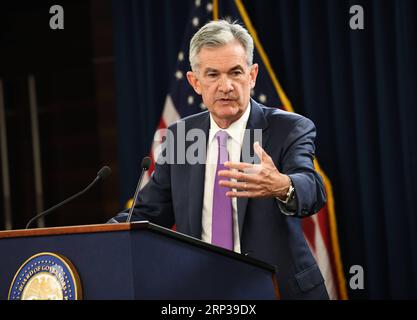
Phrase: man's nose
(226,84)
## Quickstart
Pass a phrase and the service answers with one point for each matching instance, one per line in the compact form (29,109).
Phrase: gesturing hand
(255,180)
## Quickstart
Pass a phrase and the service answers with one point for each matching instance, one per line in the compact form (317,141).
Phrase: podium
(140,261)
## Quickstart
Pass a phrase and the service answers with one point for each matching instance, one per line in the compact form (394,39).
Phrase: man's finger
(260,152)
(238,176)
(237,165)
(244,186)
(240,194)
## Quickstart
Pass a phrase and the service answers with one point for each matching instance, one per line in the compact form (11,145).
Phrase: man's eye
(237,73)
(212,75)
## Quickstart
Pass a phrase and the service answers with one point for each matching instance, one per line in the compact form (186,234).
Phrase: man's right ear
(194,82)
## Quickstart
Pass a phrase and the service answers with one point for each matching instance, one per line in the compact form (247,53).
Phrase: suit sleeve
(298,163)
(154,201)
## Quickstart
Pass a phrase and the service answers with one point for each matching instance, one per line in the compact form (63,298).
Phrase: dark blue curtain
(147,37)
(358,86)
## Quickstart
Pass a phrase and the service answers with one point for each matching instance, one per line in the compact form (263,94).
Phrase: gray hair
(219,33)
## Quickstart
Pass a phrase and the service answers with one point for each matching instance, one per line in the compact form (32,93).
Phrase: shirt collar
(235,130)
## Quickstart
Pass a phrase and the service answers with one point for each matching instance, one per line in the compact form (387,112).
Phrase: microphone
(102,174)
(146,163)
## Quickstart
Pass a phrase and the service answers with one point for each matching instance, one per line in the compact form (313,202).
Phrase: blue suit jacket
(174,195)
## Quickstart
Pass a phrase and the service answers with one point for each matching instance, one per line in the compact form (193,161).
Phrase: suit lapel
(196,184)
(256,120)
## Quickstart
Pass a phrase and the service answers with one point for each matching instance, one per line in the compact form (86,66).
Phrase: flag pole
(215,9)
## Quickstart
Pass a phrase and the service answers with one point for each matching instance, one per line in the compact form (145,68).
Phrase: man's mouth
(226,99)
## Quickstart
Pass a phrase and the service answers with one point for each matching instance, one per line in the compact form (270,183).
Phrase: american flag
(181,101)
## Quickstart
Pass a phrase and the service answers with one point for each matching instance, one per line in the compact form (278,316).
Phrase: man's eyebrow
(208,69)
(237,67)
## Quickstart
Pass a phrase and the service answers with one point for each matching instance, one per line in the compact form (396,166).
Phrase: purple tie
(222,218)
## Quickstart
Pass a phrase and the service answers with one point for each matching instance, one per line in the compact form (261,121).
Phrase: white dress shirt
(236,133)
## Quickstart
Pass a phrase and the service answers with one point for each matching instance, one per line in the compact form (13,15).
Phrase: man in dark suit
(239,204)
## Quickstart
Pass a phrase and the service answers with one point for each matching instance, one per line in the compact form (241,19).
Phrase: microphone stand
(104,172)
(145,166)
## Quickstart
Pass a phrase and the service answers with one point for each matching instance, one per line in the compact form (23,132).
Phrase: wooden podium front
(140,261)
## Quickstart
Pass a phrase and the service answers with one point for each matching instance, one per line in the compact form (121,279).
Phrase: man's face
(224,81)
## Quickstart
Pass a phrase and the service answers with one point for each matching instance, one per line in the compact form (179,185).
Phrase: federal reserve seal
(46,276)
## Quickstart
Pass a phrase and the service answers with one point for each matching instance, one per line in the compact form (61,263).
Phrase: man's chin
(229,115)
(228,112)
